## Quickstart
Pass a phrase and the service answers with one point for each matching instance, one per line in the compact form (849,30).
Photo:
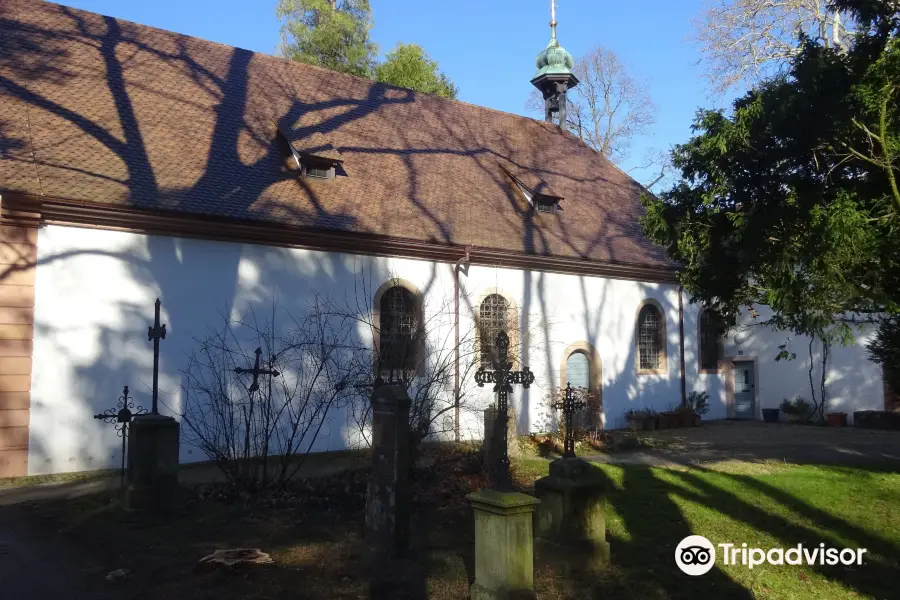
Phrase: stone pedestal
(490,421)
(571,520)
(152,478)
(387,491)
(504,545)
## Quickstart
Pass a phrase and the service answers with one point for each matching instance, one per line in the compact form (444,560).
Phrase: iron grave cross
(122,416)
(502,377)
(569,405)
(256,371)
(156,332)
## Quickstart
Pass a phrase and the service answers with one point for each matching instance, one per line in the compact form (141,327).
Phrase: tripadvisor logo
(696,555)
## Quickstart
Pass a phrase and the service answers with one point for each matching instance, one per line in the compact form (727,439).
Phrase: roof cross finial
(552,19)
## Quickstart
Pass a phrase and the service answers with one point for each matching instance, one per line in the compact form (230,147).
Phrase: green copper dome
(554,60)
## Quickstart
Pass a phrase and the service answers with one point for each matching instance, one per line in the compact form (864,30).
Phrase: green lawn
(650,510)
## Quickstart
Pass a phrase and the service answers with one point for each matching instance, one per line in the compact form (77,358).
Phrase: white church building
(138,164)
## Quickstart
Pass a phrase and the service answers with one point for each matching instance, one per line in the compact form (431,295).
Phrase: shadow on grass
(656,525)
(318,539)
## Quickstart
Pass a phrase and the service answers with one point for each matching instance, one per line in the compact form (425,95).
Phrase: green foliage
(790,200)
(698,402)
(328,33)
(409,66)
(884,349)
(797,409)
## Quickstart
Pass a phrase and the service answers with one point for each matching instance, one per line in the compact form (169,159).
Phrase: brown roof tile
(102,110)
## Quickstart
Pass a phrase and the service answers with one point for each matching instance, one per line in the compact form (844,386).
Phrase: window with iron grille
(493,317)
(650,338)
(710,335)
(397,328)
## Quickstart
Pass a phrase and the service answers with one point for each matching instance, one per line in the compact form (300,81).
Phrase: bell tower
(554,77)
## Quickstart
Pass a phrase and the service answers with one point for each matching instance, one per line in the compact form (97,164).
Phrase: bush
(797,409)
(698,402)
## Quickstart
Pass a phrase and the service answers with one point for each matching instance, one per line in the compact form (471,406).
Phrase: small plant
(698,402)
(636,414)
(797,410)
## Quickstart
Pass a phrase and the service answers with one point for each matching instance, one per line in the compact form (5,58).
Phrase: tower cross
(553,19)
(569,405)
(154,334)
(503,378)
(256,371)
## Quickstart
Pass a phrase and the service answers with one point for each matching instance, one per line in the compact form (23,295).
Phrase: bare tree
(259,429)
(744,41)
(417,351)
(656,169)
(609,107)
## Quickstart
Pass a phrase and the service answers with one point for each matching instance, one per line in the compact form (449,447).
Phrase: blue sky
(487,47)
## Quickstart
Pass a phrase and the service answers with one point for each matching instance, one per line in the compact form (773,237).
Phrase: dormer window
(546,204)
(541,202)
(316,167)
(313,155)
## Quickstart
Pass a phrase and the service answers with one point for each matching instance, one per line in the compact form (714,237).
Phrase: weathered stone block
(152,474)
(490,421)
(387,490)
(876,419)
(571,518)
(504,545)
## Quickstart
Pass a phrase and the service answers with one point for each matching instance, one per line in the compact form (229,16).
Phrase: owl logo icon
(695,555)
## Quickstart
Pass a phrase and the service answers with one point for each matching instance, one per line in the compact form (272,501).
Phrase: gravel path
(750,441)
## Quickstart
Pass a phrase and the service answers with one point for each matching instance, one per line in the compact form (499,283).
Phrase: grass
(316,536)
(32,480)
(651,509)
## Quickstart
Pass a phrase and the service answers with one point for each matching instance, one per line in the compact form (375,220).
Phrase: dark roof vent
(542,203)
(314,156)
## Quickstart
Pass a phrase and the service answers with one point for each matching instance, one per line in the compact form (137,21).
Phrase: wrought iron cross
(155,333)
(256,371)
(569,405)
(503,378)
(122,416)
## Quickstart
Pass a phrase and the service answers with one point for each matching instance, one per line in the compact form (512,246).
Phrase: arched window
(493,317)
(398,325)
(710,340)
(651,335)
(578,370)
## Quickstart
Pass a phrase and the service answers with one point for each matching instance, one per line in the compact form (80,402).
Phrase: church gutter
(456,267)
(79,213)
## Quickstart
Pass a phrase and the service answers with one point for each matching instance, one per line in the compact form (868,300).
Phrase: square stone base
(504,545)
(152,478)
(571,517)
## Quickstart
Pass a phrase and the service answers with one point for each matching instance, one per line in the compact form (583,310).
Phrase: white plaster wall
(853,382)
(94,300)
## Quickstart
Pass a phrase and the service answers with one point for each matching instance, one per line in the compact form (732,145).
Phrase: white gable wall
(94,301)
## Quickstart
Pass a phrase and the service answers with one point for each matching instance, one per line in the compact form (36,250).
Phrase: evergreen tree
(328,33)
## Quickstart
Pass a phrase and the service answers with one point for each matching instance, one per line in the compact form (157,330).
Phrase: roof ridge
(296,64)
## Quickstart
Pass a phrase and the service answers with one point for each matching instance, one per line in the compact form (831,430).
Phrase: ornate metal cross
(503,378)
(155,333)
(569,404)
(122,416)
(256,371)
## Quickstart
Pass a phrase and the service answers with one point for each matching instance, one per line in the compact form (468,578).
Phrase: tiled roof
(106,111)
